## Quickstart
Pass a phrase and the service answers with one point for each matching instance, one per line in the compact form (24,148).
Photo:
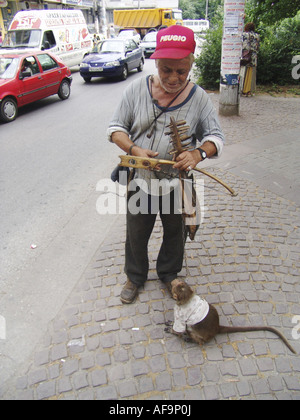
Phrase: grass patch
(291,91)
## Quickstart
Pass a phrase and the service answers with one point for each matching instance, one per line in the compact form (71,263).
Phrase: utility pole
(103,25)
(96,14)
(206,10)
(234,11)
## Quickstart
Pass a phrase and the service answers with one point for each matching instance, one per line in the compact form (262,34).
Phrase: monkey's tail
(224,330)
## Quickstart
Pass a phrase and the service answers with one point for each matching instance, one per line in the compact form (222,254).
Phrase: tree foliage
(209,62)
(278,24)
(269,12)
(196,9)
(280,43)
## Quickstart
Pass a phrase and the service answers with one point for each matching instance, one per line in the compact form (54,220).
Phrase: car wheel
(124,74)
(141,66)
(87,79)
(9,110)
(64,90)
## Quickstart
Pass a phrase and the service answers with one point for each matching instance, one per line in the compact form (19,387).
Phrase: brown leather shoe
(129,292)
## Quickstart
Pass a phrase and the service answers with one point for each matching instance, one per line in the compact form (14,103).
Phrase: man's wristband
(202,153)
(130,149)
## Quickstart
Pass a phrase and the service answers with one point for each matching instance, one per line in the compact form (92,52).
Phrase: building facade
(98,13)
(9,8)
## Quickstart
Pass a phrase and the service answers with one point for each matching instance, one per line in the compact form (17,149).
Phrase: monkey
(197,320)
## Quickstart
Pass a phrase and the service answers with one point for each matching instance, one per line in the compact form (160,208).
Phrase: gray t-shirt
(190,314)
(137,111)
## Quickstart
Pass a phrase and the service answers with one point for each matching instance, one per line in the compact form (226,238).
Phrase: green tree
(280,43)
(279,30)
(208,64)
(269,12)
(213,7)
(188,9)
(196,9)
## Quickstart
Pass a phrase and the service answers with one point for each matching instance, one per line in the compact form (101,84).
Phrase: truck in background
(61,32)
(144,20)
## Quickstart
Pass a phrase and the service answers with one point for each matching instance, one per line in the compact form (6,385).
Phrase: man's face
(173,74)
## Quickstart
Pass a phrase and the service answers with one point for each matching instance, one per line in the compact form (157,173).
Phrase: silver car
(149,44)
(130,34)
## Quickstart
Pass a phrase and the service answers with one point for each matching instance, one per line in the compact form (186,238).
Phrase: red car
(28,77)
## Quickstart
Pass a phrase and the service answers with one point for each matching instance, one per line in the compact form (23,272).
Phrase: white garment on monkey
(194,311)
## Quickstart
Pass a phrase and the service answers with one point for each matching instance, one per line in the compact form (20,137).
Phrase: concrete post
(229,103)
(103,24)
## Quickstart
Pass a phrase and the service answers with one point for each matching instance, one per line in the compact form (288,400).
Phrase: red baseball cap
(175,42)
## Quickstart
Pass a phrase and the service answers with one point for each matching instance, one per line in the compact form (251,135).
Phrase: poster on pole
(232,23)
(232,41)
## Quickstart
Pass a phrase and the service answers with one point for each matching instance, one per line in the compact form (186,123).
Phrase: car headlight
(113,64)
(82,65)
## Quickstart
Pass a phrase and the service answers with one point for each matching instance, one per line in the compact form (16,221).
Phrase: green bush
(279,44)
(209,62)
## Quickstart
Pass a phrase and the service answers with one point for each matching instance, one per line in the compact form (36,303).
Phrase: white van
(61,32)
(197,25)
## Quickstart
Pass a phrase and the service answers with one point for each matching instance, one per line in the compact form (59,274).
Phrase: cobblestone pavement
(245,261)
(259,116)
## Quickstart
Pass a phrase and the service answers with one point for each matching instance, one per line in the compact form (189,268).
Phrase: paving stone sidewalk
(245,260)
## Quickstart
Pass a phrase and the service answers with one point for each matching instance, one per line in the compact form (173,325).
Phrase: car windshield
(151,37)
(8,67)
(126,34)
(112,46)
(22,39)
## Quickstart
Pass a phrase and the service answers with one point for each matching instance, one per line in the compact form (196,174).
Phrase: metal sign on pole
(234,12)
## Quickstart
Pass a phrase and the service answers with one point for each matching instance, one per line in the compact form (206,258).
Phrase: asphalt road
(51,159)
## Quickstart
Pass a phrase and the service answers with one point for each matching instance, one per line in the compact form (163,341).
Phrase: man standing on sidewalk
(138,127)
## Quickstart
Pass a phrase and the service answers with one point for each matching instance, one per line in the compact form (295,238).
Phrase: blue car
(112,58)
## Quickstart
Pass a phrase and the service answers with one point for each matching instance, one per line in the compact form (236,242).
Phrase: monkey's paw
(168,330)
(187,339)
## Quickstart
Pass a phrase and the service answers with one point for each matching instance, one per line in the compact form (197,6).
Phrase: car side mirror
(23,74)
(46,46)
